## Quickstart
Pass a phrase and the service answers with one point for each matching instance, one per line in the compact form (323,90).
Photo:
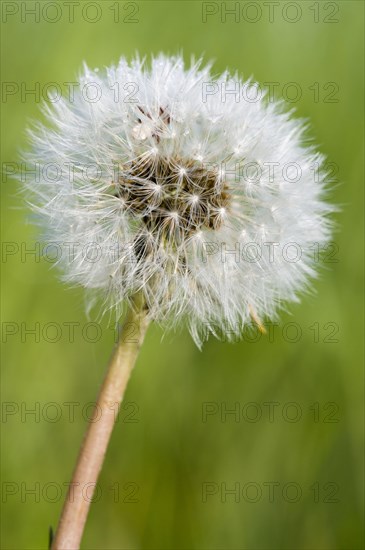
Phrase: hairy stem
(93,449)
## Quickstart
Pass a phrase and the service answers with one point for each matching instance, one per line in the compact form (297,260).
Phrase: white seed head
(183,192)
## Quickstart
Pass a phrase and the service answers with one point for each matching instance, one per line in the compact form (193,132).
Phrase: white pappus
(157,178)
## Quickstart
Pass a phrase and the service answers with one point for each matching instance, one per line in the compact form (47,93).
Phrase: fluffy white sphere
(197,191)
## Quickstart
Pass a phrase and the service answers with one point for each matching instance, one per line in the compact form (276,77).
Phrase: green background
(169,452)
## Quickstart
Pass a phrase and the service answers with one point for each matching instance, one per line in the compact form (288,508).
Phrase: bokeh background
(170,465)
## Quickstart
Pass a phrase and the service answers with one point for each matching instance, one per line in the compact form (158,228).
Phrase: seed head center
(165,192)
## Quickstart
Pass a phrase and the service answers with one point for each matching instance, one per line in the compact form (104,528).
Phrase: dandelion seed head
(176,182)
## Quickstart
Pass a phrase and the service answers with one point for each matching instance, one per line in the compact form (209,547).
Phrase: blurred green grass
(170,452)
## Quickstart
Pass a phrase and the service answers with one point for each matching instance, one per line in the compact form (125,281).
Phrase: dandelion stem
(93,449)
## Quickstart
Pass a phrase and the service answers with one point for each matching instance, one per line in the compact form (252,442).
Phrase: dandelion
(201,205)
